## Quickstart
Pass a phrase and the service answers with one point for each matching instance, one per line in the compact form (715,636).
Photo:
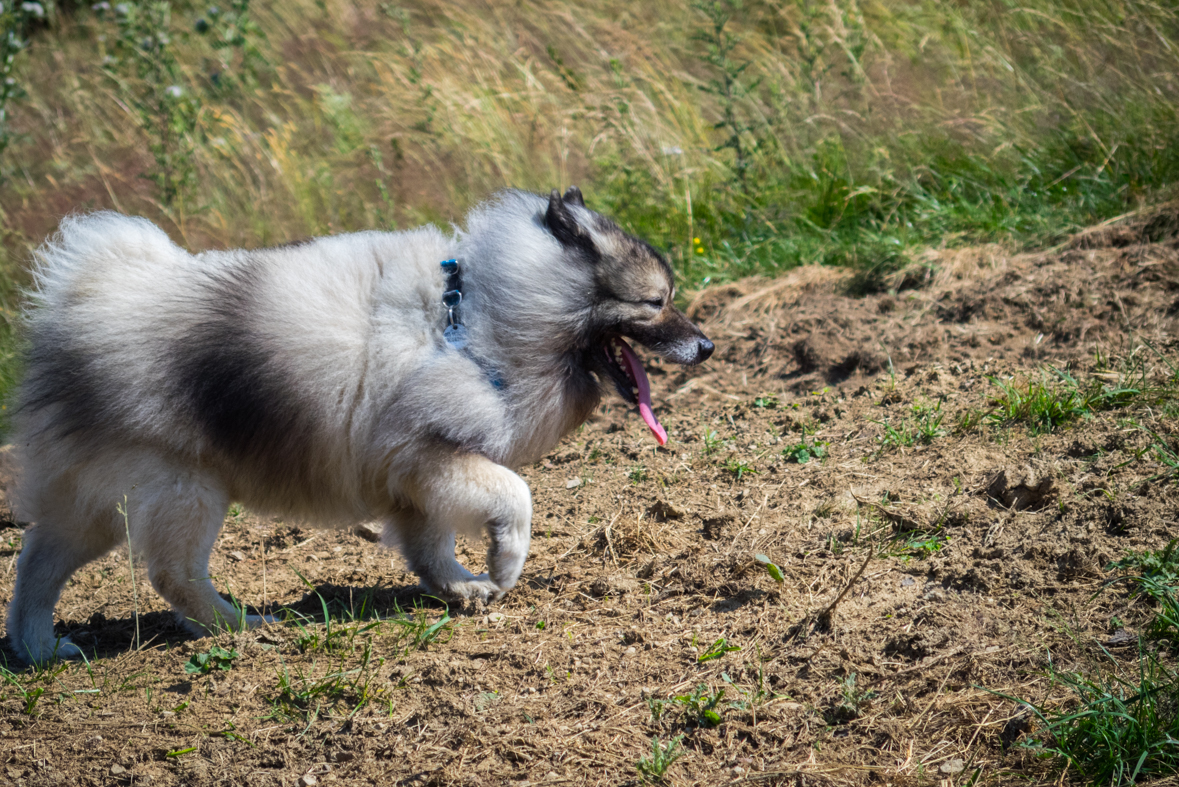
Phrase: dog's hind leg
(61,542)
(175,517)
(469,494)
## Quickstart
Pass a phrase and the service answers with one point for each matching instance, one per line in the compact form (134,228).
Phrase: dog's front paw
(60,648)
(479,589)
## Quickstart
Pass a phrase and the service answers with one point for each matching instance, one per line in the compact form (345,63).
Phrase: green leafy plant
(303,695)
(419,630)
(716,650)
(852,699)
(729,86)
(803,451)
(215,659)
(923,544)
(738,468)
(234,37)
(698,709)
(14,19)
(712,441)
(662,757)
(1053,400)
(771,568)
(144,68)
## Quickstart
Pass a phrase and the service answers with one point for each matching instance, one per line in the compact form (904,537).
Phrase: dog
(389,376)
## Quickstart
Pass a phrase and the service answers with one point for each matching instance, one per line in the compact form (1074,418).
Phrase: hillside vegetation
(740,137)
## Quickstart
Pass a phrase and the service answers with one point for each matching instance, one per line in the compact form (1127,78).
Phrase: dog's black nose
(705,350)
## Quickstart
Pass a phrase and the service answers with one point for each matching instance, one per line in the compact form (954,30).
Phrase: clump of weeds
(654,768)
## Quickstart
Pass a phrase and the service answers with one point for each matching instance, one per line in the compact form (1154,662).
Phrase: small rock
(494,617)
(631,651)
(953,766)
(1121,638)
(738,770)
(117,770)
(307,781)
(908,582)
(572,483)
(236,555)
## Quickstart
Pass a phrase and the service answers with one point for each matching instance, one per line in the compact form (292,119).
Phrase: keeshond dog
(389,376)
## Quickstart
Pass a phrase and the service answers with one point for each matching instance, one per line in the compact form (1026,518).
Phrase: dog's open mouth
(631,381)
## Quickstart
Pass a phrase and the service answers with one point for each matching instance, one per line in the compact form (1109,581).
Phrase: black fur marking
(565,228)
(61,373)
(293,244)
(237,391)
(574,197)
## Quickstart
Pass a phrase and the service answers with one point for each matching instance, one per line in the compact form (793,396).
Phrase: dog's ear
(573,197)
(565,227)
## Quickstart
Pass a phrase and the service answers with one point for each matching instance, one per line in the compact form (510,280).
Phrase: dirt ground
(920,581)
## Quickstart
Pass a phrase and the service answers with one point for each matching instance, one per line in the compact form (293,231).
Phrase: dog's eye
(656,302)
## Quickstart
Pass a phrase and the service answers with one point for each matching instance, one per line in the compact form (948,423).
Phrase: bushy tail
(94,250)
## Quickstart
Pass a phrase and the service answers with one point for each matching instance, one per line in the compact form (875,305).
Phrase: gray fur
(312,381)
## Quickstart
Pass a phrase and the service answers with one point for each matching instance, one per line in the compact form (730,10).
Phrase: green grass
(304,695)
(1160,566)
(1115,730)
(921,427)
(1120,724)
(1057,398)
(1153,575)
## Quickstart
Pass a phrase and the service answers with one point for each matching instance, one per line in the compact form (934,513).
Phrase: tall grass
(775,133)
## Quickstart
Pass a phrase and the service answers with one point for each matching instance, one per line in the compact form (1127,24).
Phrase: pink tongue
(644,386)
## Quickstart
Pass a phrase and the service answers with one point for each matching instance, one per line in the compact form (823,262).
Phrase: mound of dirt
(934,554)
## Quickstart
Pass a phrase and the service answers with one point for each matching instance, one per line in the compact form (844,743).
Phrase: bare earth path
(918,579)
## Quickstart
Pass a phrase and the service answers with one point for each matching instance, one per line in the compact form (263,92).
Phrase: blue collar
(455,333)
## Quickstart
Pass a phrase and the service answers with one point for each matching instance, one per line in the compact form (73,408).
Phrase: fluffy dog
(346,379)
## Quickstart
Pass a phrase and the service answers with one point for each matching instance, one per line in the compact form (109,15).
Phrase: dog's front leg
(456,492)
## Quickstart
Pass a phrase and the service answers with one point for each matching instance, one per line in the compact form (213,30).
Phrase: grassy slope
(849,132)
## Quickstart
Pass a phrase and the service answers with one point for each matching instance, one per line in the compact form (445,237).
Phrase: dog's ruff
(313,381)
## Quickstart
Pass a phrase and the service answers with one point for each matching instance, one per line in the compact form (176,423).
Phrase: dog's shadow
(101,637)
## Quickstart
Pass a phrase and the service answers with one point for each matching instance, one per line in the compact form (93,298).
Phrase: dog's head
(632,298)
